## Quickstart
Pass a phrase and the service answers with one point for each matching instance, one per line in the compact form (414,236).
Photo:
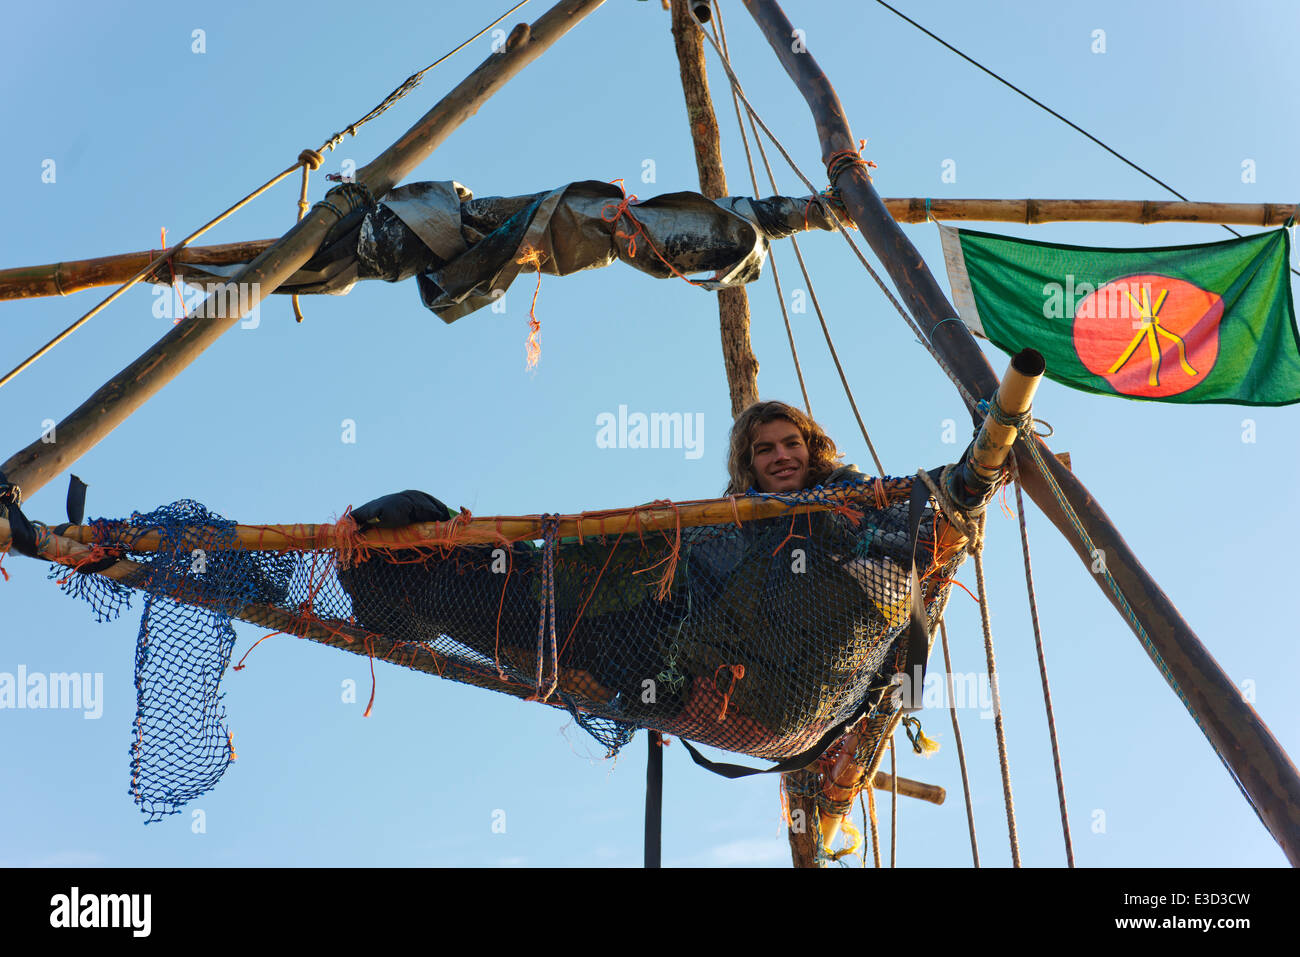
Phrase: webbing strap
(21,530)
(654,800)
(918,650)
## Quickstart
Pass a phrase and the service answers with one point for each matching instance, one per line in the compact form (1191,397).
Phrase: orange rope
(620,210)
(528,256)
(953,581)
(737,672)
(370,653)
(666,580)
(240,666)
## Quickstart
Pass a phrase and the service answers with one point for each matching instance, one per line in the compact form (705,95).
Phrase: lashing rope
(310,160)
(1042,670)
(997,704)
(550,533)
(961,751)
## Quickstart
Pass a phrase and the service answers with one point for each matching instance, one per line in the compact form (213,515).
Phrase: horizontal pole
(64,278)
(336,634)
(932,793)
(655,517)
(1090,211)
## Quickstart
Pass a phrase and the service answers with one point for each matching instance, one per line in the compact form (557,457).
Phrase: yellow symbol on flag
(1150,330)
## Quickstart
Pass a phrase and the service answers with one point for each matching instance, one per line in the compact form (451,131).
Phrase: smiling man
(775,447)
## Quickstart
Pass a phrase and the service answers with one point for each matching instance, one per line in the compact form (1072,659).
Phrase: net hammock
(754,634)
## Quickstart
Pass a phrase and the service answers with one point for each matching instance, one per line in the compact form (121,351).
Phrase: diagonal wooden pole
(41,461)
(1246,745)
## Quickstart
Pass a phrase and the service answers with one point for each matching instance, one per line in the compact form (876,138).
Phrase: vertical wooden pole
(733,304)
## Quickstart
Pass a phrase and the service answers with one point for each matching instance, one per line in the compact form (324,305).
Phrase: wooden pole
(1245,743)
(64,278)
(918,210)
(733,304)
(512,528)
(419,657)
(34,466)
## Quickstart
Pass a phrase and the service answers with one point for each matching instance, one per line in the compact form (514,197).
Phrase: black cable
(1042,105)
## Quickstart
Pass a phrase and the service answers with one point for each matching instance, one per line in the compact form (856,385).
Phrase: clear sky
(146,133)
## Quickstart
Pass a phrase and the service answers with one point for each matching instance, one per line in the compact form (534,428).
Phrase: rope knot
(620,210)
(310,159)
(972,531)
(737,672)
(841,160)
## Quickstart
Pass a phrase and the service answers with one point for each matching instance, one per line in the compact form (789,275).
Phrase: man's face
(780,457)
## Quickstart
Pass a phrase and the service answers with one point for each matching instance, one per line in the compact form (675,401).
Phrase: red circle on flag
(1149,335)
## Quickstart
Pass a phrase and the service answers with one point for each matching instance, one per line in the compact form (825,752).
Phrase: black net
(754,637)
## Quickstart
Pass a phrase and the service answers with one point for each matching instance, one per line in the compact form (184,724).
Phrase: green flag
(1207,323)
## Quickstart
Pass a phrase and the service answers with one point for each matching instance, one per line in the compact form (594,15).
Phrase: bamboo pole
(931,793)
(918,210)
(1245,743)
(64,278)
(419,657)
(511,528)
(34,466)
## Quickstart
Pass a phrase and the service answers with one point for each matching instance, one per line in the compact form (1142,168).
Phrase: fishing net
(754,636)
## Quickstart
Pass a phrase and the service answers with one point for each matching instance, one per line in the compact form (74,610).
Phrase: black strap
(918,651)
(76,500)
(654,800)
(21,531)
(799,761)
(918,629)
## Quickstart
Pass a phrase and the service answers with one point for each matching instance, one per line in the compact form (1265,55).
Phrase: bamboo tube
(32,467)
(915,210)
(931,793)
(975,479)
(63,278)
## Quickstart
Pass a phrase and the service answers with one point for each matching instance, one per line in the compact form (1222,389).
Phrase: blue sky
(145,133)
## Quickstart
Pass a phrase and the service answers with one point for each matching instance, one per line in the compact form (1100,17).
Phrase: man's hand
(401,509)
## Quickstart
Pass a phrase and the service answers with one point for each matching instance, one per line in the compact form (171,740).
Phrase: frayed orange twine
(3,552)
(737,672)
(240,666)
(528,256)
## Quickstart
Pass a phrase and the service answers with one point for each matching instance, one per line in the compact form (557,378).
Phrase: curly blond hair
(823,456)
